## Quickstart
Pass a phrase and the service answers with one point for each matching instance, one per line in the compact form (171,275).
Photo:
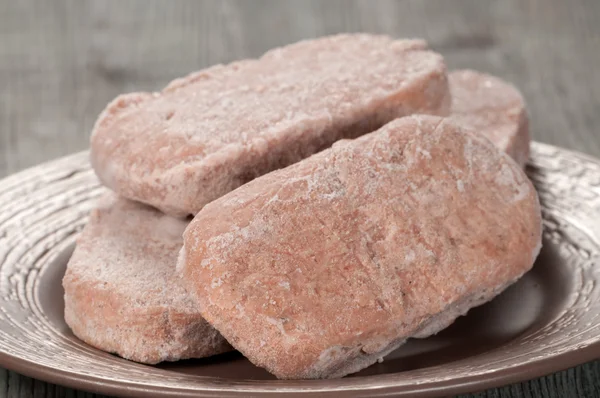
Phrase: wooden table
(61,61)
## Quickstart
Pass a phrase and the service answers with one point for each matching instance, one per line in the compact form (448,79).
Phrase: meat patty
(322,268)
(208,133)
(493,108)
(122,294)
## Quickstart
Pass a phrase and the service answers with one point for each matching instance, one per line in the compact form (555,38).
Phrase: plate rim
(505,376)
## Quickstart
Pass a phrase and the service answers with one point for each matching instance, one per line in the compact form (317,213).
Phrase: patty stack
(313,208)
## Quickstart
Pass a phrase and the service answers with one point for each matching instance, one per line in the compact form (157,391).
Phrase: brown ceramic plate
(548,321)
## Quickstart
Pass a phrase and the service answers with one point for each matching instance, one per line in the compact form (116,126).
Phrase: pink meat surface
(322,268)
(493,108)
(122,294)
(208,133)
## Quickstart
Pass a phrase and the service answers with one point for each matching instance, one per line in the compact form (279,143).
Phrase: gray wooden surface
(61,61)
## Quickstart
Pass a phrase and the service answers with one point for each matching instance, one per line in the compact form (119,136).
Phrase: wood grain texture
(62,61)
